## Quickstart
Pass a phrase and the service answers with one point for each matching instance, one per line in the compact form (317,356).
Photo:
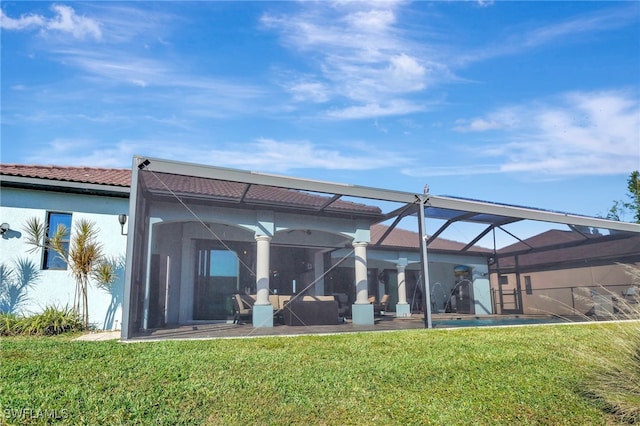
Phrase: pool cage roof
(255,190)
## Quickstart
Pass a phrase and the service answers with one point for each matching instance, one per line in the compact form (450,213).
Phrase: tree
(620,208)
(633,186)
(84,256)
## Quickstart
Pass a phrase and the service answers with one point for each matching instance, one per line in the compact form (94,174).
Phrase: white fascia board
(60,184)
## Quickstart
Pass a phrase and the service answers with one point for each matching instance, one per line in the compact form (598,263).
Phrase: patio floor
(383,323)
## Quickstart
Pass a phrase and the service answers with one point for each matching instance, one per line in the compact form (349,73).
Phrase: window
(52,260)
(527,284)
(503,280)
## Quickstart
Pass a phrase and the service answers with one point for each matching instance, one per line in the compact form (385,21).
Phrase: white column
(362,286)
(402,287)
(403,309)
(361,310)
(262,269)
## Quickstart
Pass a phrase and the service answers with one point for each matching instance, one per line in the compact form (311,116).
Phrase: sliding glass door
(217,279)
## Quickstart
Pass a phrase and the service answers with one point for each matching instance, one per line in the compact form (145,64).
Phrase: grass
(507,376)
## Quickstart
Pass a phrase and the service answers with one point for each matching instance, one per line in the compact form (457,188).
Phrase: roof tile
(93,175)
(409,239)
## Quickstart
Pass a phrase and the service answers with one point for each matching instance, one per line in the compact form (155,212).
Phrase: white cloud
(21,23)
(405,73)
(83,152)
(586,133)
(601,21)
(466,170)
(308,90)
(484,3)
(360,56)
(65,20)
(502,119)
(116,66)
(282,156)
(371,20)
(394,107)
(264,154)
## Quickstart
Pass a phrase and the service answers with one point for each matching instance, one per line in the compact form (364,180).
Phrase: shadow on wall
(10,233)
(15,281)
(116,290)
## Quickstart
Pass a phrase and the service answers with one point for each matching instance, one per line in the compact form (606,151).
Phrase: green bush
(10,324)
(53,320)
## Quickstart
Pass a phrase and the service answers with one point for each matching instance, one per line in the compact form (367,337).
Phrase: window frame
(51,260)
(527,284)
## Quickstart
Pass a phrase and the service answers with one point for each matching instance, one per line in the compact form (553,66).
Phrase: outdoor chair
(344,307)
(379,308)
(241,308)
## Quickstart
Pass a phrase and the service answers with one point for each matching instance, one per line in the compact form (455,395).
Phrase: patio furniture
(302,310)
(311,310)
(379,308)
(241,308)
(344,307)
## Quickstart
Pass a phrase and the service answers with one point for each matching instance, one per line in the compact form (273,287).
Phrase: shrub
(51,321)
(614,367)
(10,324)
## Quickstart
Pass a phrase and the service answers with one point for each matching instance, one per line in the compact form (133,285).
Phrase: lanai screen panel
(174,224)
(192,243)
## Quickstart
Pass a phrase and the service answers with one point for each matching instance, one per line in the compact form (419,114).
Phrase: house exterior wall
(573,291)
(57,287)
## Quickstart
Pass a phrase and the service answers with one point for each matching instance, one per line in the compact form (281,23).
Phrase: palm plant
(83,255)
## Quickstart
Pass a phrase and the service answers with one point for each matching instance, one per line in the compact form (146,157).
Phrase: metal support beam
(449,223)
(388,231)
(330,201)
(425,262)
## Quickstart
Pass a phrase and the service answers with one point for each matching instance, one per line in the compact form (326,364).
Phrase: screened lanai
(207,244)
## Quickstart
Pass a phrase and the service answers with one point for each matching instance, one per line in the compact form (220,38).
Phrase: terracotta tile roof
(256,194)
(98,176)
(231,191)
(402,238)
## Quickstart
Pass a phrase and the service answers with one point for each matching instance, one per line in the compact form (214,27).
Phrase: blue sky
(528,103)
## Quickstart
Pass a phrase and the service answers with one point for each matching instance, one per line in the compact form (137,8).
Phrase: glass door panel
(217,278)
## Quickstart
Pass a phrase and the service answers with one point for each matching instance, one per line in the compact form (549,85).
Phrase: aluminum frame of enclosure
(423,206)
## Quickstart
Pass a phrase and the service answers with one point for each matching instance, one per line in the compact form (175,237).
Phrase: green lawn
(507,376)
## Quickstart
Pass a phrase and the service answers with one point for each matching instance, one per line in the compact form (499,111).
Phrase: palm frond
(104,274)
(35,232)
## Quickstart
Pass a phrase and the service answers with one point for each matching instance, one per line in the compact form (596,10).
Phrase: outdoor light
(4,227)
(122,218)
(143,164)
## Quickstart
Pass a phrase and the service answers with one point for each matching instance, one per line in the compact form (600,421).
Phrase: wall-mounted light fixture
(122,218)
(4,227)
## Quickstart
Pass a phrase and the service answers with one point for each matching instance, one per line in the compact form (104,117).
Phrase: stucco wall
(57,287)
(568,291)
